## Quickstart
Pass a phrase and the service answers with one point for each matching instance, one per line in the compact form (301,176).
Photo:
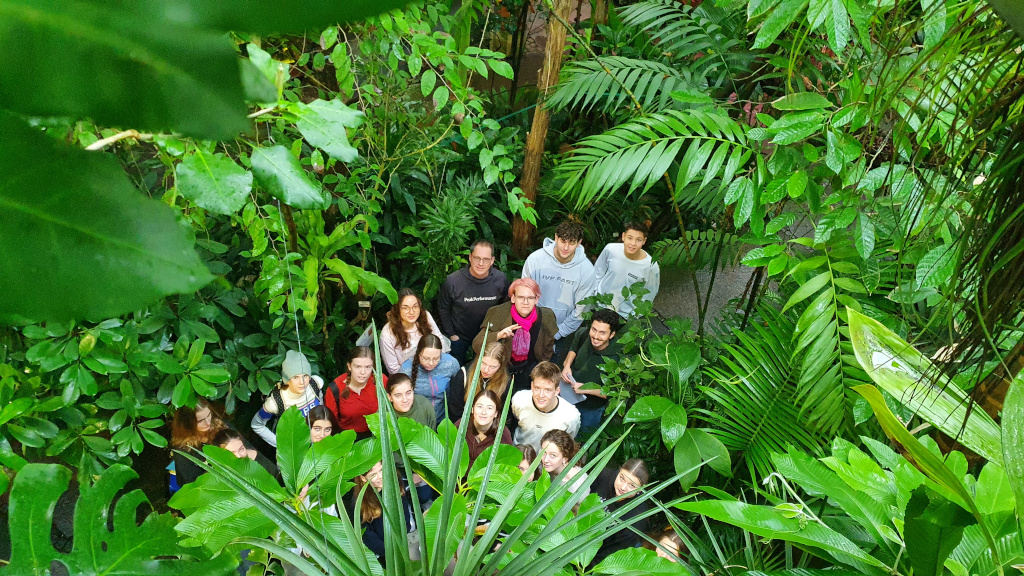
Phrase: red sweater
(350,412)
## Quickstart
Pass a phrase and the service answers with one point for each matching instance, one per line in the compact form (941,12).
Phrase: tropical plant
(107,539)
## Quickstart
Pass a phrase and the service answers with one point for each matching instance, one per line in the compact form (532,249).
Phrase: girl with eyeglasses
(625,481)
(408,321)
(430,370)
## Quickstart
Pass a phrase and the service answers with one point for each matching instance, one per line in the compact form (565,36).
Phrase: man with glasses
(467,294)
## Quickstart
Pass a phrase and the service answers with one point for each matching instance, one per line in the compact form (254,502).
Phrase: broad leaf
(80,240)
(639,562)
(267,16)
(214,182)
(323,124)
(120,65)
(648,408)
(1013,442)
(802,101)
(698,446)
(278,171)
(768,522)
(293,444)
(922,458)
(149,548)
(931,531)
(673,425)
(904,373)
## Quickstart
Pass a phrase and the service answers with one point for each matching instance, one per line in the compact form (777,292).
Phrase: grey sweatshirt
(562,286)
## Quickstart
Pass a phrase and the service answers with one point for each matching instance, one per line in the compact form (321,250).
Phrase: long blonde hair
(498,383)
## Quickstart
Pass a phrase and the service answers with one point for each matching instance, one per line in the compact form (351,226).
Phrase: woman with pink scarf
(527,329)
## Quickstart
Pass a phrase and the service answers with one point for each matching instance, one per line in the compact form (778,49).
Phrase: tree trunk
(522,232)
(600,15)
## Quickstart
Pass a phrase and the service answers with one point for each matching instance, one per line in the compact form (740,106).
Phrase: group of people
(528,341)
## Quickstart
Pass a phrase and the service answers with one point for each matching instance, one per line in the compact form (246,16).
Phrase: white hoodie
(562,286)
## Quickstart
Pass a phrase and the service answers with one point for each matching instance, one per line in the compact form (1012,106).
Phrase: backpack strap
(333,387)
(276,395)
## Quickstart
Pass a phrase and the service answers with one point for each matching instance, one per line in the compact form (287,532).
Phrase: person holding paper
(591,346)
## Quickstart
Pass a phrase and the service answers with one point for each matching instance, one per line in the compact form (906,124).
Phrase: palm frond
(756,409)
(603,83)
(640,152)
(708,39)
(701,247)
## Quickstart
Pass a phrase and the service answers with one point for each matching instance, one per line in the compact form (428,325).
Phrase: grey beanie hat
(294,363)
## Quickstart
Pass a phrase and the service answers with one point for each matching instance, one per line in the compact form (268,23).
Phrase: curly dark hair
(609,317)
(570,231)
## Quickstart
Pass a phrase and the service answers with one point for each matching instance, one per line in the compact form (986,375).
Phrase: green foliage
(150,547)
(760,404)
(608,83)
(899,369)
(641,151)
(81,242)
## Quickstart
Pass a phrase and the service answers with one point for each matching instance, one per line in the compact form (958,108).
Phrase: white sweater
(613,272)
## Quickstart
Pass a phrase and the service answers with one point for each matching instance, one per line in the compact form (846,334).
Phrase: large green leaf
(648,408)
(907,375)
(149,548)
(1013,442)
(214,182)
(324,123)
(639,562)
(931,531)
(278,171)
(697,446)
(267,16)
(79,240)
(119,64)
(768,522)
(293,444)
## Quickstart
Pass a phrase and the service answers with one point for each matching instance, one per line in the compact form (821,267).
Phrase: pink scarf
(521,339)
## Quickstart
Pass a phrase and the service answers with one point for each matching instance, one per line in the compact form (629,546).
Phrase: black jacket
(464,300)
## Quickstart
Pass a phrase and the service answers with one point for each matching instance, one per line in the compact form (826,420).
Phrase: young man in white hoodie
(621,265)
(564,274)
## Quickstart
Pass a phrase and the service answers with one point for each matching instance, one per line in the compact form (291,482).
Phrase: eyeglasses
(526,298)
(479,260)
(410,308)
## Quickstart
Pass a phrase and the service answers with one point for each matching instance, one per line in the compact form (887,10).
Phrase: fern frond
(756,409)
(641,151)
(603,82)
(709,38)
(703,244)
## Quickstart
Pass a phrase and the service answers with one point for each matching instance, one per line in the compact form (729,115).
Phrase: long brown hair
(498,383)
(359,352)
(185,429)
(371,508)
(428,341)
(395,319)
(472,430)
